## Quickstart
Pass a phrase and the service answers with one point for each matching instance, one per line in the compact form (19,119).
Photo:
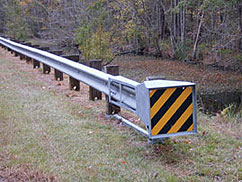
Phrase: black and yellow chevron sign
(171,110)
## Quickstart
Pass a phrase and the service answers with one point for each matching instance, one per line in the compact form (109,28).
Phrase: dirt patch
(24,174)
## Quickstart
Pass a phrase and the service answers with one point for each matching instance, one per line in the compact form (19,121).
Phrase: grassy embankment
(44,129)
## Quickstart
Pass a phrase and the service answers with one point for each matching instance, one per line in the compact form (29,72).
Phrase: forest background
(189,30)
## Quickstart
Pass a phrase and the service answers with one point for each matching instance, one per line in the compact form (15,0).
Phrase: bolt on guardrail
(167,108)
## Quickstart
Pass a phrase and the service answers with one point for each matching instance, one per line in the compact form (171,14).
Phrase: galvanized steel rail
(167,108)
(90,76)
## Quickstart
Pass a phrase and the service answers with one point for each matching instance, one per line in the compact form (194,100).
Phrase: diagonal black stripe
(156,96)
(177,115)
(187,124)
(165,107)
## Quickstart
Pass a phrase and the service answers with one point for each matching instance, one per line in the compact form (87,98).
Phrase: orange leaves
(25,2)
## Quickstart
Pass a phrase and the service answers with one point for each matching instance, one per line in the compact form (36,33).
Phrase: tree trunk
(197,37)
(183,25)
(240,25)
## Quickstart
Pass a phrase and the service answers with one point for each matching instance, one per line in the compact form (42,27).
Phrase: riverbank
(217,89)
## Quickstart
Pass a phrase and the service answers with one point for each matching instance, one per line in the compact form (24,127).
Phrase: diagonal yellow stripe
(190,128)
(161,101)
(180,122)
(152,93)
(165,118)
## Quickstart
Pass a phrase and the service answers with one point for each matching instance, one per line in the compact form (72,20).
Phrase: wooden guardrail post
(28,59)
(16,54)
(21,56)
(58,74)
(36,64)
(93,93)
(73,83)
(111,108)
(46,68)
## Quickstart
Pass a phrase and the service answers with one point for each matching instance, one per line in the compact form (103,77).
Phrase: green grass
(46,131)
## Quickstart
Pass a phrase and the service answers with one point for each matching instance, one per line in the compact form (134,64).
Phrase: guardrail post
(36,64)
(93,93)
(22,57)
(46,69)
(111,108)
(16,54)
(11,51)
(28,59)
(73,83)
(58,74)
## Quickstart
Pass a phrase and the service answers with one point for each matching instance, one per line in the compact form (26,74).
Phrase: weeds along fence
(167,108)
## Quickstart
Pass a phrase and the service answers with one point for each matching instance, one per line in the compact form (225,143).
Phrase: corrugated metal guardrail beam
(167,108)
(92,77)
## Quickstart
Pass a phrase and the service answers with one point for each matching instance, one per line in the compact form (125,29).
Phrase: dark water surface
(213,103)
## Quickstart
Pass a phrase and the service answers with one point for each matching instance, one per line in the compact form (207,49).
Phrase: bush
(232,113)
(94,45)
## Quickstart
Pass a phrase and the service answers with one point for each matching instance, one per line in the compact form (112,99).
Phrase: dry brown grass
(24,174)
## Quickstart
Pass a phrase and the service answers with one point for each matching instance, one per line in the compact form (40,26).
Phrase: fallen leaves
(71,95)
(207,80)
(58,84)
(23,174)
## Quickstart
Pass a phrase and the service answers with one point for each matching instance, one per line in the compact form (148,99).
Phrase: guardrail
(167,108)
